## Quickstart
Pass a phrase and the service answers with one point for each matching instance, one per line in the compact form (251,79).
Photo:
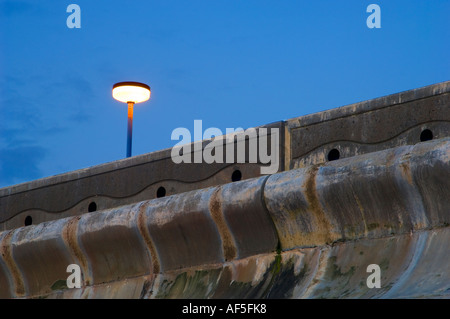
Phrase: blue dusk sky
(229,63)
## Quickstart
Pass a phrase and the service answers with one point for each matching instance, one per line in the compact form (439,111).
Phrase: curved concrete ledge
(112,245)
(244,213)
(226,237)
(395,191)
(370,126)
(192,229)
(412,266)
(183,231)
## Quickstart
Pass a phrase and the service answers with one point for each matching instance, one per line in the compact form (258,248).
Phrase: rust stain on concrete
(69,235)
(406,171)
(143,230)
(361,209)
(215,207)
(5,251)
(323,231)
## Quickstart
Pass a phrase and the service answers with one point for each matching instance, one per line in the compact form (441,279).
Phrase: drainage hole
(236,176)
(161,192)
(333,155)
(28,221)
(426,135)
(92,207)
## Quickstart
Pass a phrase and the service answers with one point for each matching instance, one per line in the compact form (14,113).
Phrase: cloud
(76,92)
(75,85)
(30,122)
(79,117)
(20,156)
(20,164)
(25,124)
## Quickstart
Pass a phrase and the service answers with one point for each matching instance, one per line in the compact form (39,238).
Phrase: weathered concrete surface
(122,182)
(389,192)
(305,233)
(396,120)
(369,126)
(412,266)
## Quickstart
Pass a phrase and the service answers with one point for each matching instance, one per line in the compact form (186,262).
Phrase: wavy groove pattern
(97,196)
(385,141)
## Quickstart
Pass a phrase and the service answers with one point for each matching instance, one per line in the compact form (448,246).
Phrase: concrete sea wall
(367,183)
(291,234)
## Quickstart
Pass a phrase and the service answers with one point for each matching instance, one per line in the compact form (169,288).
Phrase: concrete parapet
(122,182)
(183,231)
(405,118)
(244,213)
(36,258)
(308,231)
(389,192)
(399,119)
(364,197)
(202,227)
(112,246)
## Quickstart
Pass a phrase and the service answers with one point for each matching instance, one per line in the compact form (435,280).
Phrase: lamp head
(134,92)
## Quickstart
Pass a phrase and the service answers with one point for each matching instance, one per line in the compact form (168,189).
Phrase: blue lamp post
(130,93)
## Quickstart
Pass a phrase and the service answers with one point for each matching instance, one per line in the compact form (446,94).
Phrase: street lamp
(131,93)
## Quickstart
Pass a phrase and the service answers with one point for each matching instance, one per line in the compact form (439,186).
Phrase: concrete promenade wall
(309,230)
(360,128)
(396,214)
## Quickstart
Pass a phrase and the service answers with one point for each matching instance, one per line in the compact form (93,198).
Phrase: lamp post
(130,93)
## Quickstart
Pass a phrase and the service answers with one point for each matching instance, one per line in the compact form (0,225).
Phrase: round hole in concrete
(92,207)
(333,155)
(426,135)
(161,192)
(236,176)
(28,220)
